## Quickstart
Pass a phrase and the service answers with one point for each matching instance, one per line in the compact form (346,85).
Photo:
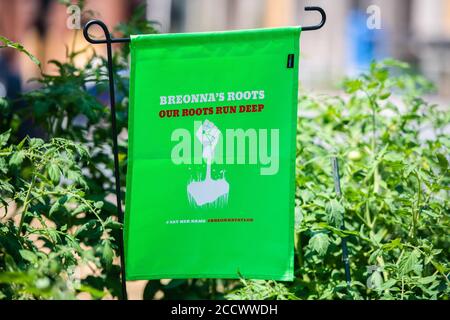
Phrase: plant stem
(380,261)
(403,289)
(74,40)
(376,174)
(416,207)
(26,205)
(298,245)
(367,216)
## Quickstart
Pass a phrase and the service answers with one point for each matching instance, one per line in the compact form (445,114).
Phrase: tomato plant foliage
(393,149)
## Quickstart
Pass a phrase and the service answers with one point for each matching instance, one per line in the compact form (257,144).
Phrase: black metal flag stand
(108,40)
(337,188)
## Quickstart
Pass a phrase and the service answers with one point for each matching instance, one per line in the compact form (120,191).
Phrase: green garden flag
(211,160)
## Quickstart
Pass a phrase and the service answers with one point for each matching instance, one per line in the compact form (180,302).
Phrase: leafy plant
(393,150)
(59,230)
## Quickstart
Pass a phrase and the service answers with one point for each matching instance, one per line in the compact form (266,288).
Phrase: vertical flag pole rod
(112,100)
(337,187)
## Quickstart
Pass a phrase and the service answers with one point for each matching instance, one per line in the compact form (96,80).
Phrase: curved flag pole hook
(321,23)
(108,40)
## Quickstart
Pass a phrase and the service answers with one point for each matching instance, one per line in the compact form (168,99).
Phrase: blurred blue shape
(364,44)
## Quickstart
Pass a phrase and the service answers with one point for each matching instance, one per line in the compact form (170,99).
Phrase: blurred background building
(417,31)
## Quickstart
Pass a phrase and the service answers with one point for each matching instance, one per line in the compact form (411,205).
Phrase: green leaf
(335,211)
(111,224)
(319,243)
(28,255)
(380,74)
(54,172)
(384,95)
(410,262)
(443,162)
(107,254)
(393,157)
(388,284)
(3,166)
(98,204)
(408,171)
(55,207)
(36,142)
(86,229)
(375,280)
(17,158)
(10,44)
(396,243)
(439,267)
(62,200)
(4,137)
(95,293)
(15,278)
(80,209)
(351,86)
(427,280)
(38,196)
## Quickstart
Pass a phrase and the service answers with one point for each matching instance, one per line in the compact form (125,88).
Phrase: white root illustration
(208,191)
